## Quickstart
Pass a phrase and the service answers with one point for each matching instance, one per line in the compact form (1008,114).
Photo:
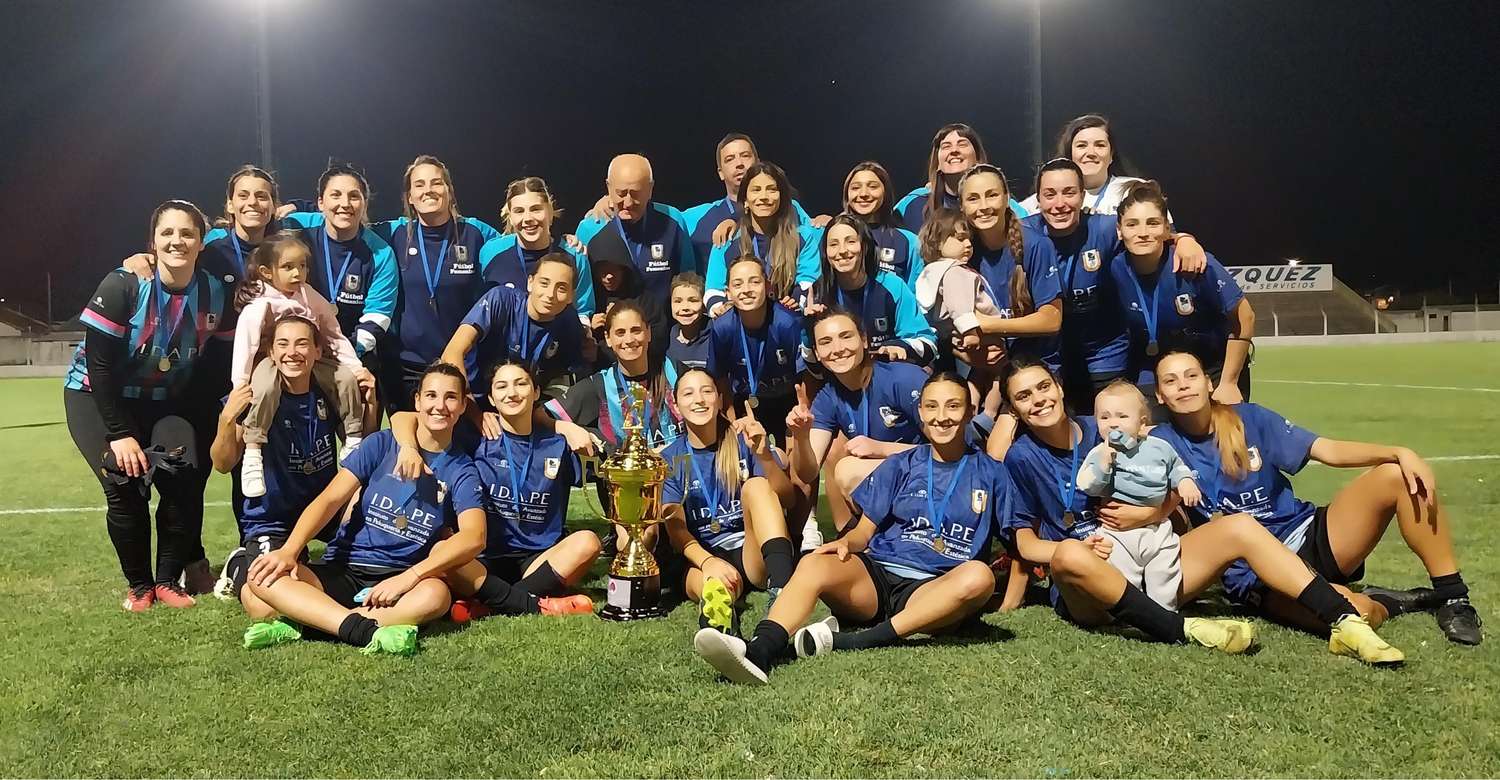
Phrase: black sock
(1392,606)
(876,636)
(766,645)
(1322,600)
(780,560)
(1450,586)
(542,582)
(1137,609)
(504,598)
(357,630)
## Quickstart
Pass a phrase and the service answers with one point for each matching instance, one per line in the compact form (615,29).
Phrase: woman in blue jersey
(529,213)
(527,474)
(1089,141)
(851,278)
(382,575)
(868,196)
(1243,454)
(723,503)
(298,456)
(1094,343)
(955,149)
(757,347)
(1058,528)
(137,389)
(768,230)
(913,564)
(865,413)
(711,224)
(1206,314)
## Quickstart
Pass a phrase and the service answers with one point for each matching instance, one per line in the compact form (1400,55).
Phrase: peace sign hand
(753,433)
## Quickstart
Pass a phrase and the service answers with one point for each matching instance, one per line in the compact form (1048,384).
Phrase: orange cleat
(577,604)
(464,610)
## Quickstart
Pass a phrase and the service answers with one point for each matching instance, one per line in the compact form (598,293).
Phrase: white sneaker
(812,536)
(727,654)
(349,445)
(224,586)
(816,638)
(252,475)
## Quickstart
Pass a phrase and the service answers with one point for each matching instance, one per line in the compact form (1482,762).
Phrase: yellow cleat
(1231,636)
(1352,636)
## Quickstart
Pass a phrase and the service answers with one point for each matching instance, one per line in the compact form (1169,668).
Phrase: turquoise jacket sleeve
(802,218)
(809,257)
(915,332)
(914,261)
(587,228)
(715,276)
(304,219)
(583,299)
(380,300)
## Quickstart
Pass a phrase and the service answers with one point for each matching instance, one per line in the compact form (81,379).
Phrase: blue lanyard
(933,515)
(239,257)
(864,302)
(861,413)
(1065,482)
(1148,313)
(760,355)
(760,254)
(649,424)
(536,355)
(1095,206)
(165,328)
(521,257)
(710,495)
(334,281)
(517,475)
(633,248)
(432,275)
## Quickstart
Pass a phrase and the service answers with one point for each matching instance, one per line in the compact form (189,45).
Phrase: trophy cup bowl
(633,476)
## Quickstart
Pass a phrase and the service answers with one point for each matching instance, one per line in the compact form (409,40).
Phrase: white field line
(1258,380)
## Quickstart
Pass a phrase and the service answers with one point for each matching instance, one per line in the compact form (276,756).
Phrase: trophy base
(633,598)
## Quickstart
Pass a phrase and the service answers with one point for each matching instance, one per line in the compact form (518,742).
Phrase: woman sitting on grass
(382,575)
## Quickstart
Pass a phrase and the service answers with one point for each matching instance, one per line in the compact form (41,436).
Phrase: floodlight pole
(263,88)
(1036,82)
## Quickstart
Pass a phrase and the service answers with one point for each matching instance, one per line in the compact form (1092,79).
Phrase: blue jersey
(224,254)
(705,217)
(507,332)
(299,464)
(509,264)
(913,207)
(1190,311)
(442,274)
(165,332)
(359,276)
(900,253)
(543,470)
(974,497)
(658,244)
(1093,329)
(1047,480)
(396,521)
(885,410)
(809,265)
(762,361)
(694,483)
(890,315)
(689,354)
(996,266)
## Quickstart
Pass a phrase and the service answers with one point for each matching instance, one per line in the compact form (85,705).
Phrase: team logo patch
(658,251)
(1255,459)
(552,349)
(880,324)
(211,321)
(229,278)
(1091,260)
(351,283)
(461,252)
(978,500)
(411,250)
(781,356)
(891,417)
(744,469)
(442,491)
(887,255)
(550,467)
(1184,304)
(322,409)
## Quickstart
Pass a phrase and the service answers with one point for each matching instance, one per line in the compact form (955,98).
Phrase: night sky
(1354,133)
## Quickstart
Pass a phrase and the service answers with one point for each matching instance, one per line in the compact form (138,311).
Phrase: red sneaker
(577,604)
(171,594)
(139,599)
(464,610)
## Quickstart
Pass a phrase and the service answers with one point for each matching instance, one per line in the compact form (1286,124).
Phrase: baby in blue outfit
(1133,468)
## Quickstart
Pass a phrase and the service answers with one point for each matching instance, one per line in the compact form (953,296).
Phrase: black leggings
(179,514)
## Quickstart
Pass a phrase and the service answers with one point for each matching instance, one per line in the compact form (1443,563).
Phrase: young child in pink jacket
(950,292)
(275,287)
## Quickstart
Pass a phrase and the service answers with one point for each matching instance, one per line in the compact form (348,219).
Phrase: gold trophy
(633,475)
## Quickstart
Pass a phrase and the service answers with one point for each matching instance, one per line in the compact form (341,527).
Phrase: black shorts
(1317,553)
(342,582)
(892,591)
(510,566)
(735,558)
(237,565)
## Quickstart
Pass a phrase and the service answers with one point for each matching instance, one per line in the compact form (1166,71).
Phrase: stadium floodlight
(1294,261)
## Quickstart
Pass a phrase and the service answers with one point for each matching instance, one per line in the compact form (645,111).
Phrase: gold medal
(1215,516)
(401,522)
(938,545)
(752,402)
(164,364)
(308,467)
(714,527)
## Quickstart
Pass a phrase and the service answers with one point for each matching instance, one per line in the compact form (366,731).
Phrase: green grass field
(91,690)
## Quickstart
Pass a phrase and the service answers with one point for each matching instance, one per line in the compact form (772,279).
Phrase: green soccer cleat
(396,640)
(1353,637)
(1230,636)
(276,632)
(717,606)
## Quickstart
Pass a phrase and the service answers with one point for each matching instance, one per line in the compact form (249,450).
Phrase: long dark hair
(265,256)
(336,169)
(1021,303)
(656,384)
(785,240)
(884,214)
(1118,165)
(980,157)
(227,219)
(825,289)
(185,206)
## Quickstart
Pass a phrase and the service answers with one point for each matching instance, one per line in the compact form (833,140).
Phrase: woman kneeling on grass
(382,575)
(527,474)
(1060,528)
(915,561)
(1244,453)
(724,504)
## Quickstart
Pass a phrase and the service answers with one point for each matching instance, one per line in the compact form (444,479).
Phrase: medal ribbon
(933,515)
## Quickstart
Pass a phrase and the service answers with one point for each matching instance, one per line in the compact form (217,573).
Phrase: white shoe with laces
(812,536)
(727,654)
(815,638)
(252,475)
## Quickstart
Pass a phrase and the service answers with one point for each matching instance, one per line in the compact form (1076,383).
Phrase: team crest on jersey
(891,417)
(744,469)
(211,321)
(550,467)
(322,409)
(442,491)
(229,278)
(1184,304)
(351,283)
(887,255)
(461,253)
(658,251)
(880,323)
(552,349)
(1254,458)
(781,356)
(978,500)
(1091,260)
(411,250)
